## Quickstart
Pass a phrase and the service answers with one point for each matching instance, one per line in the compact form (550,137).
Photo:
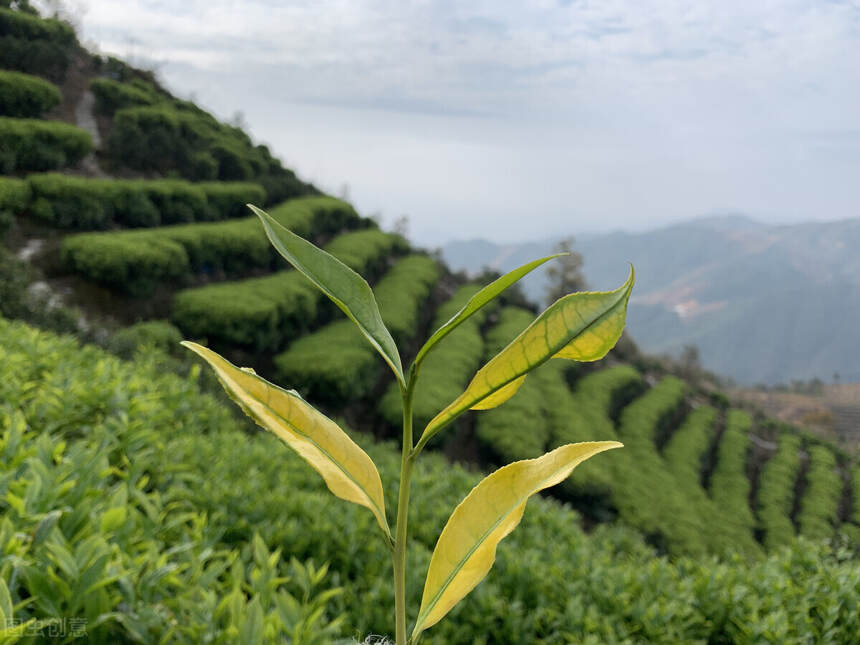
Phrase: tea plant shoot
(578,326)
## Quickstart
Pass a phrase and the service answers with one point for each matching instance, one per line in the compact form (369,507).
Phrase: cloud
(648,110)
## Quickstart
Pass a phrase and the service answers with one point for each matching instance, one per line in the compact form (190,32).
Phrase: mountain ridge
(716,281)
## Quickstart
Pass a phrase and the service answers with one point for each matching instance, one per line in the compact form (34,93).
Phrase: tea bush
(132,479)
(819,506)
(519,428)
(447,370)
(23,95)
(152,334)
(689,443)
(583,414)
(403,292)
(222,248)
(99,537)
(35,45)
(776,492)
(114,95)
(28,145)
(175,138)
(729,485)
(333,364)
(85,204)
(14,196)
(262,313)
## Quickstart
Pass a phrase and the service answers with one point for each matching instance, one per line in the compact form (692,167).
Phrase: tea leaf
(466,548)
(484,296)
(342,285)
(581,326)
(347,470)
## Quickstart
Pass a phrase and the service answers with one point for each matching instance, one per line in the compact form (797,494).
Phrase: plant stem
(406,463)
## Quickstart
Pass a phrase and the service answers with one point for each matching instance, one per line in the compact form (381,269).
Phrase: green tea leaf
(347,470)
(580,326)
(466,549)
(476,302)
(342,285)
(5,603)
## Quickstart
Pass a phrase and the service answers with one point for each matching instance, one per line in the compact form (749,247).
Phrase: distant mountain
(764,303)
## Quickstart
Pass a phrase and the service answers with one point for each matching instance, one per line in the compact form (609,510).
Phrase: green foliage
(447,370)
(85,204)
(855,495)
(518,429)
(114,95)
(14,197)
(34,45)
(106,457)
(689,443)
(97,522)
(23,95)
(262,313)
(123,262)
(31,145)
(776,492)
(152,334)
(684,520)
(174,138)
(585,414)
(335,365)
(819,506)
(403,292)
(340,284)
(138,261)
(258,313)
(367,252)
(18,301)
(729,485)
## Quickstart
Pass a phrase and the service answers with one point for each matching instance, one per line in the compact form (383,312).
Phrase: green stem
(406,462)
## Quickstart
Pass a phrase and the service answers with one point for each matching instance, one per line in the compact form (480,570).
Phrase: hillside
(715,281)
(139,237)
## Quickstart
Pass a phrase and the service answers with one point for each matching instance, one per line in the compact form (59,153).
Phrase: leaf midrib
(325,452)
(531,367)
(478,543)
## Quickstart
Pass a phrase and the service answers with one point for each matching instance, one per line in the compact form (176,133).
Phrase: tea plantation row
(142,508)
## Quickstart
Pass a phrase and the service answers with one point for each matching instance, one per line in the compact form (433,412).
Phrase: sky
(520,120)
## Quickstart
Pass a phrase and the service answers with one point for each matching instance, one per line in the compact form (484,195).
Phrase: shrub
(447,370)
(776,492)
(111,539)
(262,313)
(402,292)
(729,485)
(334,364)
(174,138)
(688,445)
(153,334)
(34,45)
(19,302)
(14,196)
(122,262)
(86,204)
(519,428)
(196,538)
(819,506)
(22,95)
(583,414)
(31,145)
(229,248)
(113,95)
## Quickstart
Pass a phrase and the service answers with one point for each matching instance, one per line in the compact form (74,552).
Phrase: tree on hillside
(565,273)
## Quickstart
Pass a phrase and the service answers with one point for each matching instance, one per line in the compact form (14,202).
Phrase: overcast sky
(515,120)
